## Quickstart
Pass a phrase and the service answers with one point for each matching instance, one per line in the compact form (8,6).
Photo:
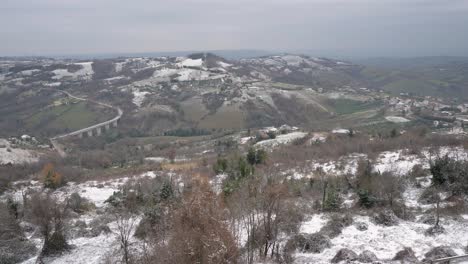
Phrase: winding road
(57,146)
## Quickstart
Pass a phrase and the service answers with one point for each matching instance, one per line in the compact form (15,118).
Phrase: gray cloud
(342,27)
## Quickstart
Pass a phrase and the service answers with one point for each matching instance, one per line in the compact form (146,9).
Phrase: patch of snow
(53,84)
(385,242)
(118,66)
(98,195)
(224,64)
(313,224)
(116,78)
(318,137)
(28,72)
(397,119)
(190,63)
(157,159)
(191,74)
(344,165)
(396,162)
(92,250)
(281,139)
(340,131)
(8,154)
(217,182)
(139,97)
(244,140)
(293,60)
(86,72)
(165,72)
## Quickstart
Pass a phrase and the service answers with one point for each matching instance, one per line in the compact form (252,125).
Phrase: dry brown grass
(180,166)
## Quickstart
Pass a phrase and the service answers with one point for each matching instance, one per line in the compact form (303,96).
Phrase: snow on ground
(90,250)
(280,140)
(244,140)
(165,72)
(191,74)
(385,242)
(138,96)
(87,250)
(28,72)
(217,182)
(157,159)
(95,191)
(119,66)
(340,131)
(86,72)
(53,84)
(293,60)
(224,64)
(396,162)
(99,192)
(318,137)
(313,224)
(12,155)
(344,165)
(397,119)
(181,74)
(116,78)
(412,194)
(190,63)
(458,153)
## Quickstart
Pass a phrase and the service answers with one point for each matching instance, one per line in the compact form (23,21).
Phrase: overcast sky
(342,27)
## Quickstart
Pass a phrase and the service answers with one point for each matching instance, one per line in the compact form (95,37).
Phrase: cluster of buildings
(430,108)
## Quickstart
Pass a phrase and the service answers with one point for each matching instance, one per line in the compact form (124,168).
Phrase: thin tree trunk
(324,195)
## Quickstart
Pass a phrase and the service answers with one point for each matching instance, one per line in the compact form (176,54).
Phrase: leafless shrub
(49,215)
(14,247)
(199,233)
(126,222)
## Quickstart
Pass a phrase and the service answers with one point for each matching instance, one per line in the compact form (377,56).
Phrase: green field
(344,106)
(65,118)
(413,86)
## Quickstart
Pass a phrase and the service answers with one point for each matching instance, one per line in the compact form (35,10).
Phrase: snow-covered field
(398,162)
(280,140)
(190,63)
(385,241)
(397,119)
(86,72)
(139,96)
(340,131)
(12,155)
(90,250)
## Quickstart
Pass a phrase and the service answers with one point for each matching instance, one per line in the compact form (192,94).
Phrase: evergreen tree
(166,191)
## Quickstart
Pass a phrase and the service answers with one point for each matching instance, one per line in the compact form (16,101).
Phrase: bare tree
(126,222)
(46,212)
(260,205)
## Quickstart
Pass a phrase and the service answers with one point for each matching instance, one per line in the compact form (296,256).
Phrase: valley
(275,159)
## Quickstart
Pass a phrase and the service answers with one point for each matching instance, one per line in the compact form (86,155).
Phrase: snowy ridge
(85,73)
